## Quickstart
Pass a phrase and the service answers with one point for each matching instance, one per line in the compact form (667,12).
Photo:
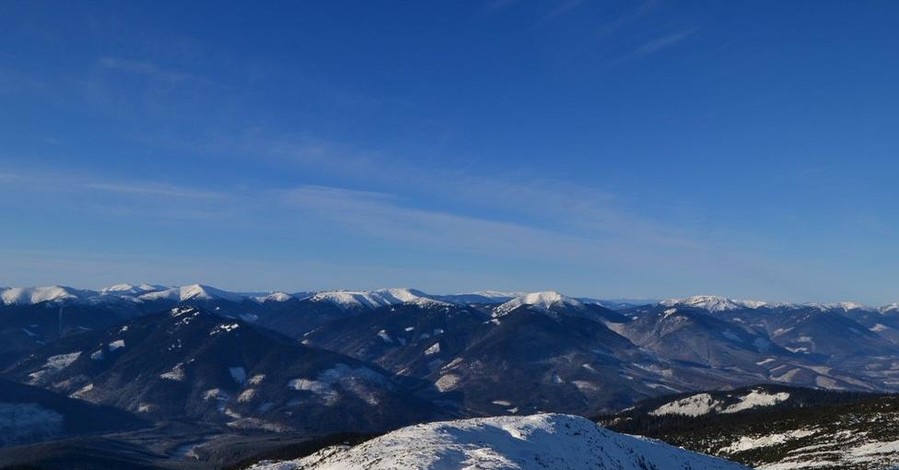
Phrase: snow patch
(696,405)
(257,379)
(224,328)
(349,378)
(81,392)
(385,337)
(754,442)
(54,364)
(447,382)
(757,398)
(176,373)
(247,395)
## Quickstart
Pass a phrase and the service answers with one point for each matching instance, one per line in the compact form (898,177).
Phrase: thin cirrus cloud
(663,42)
(618,242)
(387,216)
(563,8)
(384,216)
(147,69)
(552,205)
(72,181)
(151,189)
(620,252)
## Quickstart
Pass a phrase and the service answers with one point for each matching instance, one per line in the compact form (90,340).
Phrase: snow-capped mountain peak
(33,295)
(130,289)
(891,308)
(545,301)
(200,291)
(845,306)
(375,298)
(192,292)
(273,297)
(714,303)
(506,442)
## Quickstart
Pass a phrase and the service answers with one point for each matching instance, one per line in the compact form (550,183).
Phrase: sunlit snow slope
(545,441)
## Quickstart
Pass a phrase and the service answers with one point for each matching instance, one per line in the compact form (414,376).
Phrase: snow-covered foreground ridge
(544,441)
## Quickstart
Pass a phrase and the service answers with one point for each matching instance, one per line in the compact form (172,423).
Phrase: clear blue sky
(599,148)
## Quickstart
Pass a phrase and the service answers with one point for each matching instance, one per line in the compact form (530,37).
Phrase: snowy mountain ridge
(375,298)
(542,441)
(544,301)
(382,297)
(715,304)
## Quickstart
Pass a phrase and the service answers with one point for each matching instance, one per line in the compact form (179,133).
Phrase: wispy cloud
(147,69)
(509,195)
(385,216)
(663,42)
(563,8)
(153,189)
(579,231)
(615,24)
(56,180)
(49,190)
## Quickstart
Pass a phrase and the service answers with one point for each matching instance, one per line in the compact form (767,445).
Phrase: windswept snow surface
(544,441)
(541,300)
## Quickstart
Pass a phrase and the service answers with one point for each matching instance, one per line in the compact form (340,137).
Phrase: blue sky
(601,148)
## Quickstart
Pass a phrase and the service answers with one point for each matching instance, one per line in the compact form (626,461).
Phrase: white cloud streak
(663,42)
(148,70)
(154,189)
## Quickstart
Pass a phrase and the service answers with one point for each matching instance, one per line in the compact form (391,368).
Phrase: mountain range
(311,364)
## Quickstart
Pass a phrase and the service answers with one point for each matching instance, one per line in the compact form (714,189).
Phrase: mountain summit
(536,442)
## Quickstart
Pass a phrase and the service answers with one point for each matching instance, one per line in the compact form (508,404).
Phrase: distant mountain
(26,327)
(774,427)
(548,352)
(487,297)
(30,414)
(526,443)
(155,295)
(751,343)
(540,351)
(191,363)
(536,352)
